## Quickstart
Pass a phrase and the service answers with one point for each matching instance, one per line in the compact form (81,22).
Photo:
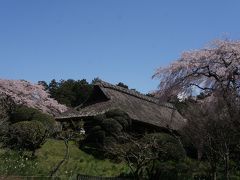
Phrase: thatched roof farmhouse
(140,108)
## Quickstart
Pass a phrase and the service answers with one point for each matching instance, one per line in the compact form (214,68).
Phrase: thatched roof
(139,107)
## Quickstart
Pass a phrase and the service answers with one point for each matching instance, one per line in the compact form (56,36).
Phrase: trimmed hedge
(23,113)
(26,135)
(105,129)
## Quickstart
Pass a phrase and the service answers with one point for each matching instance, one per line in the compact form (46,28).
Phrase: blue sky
(116,40)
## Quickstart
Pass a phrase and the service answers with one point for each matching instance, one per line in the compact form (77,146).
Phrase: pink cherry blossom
(216,66)
(31,95)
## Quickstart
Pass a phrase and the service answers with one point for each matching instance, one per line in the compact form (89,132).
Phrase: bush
(125,122)
(103,130)
(97,137)
(26,135)
(170,148)
(154,156)
(116,113)
(23,113)
(47,120)
(111,127)
(121,117)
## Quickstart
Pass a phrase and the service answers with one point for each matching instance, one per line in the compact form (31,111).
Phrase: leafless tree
(213,123)
(212,131)
(141,154)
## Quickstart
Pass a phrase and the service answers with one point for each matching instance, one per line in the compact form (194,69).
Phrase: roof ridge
(133,93)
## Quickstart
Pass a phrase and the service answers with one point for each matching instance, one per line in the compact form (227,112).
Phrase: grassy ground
(14,164)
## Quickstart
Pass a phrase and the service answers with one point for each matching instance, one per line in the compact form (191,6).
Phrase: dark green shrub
(23,113)
(111,127)
(125,122)
(103,130)
(47,120)
(26,135)
(170,148)
(90,123)
(122,117)
(115,113)
(154,156)
(97,136)
(99,118)
(95,129)
(109,140)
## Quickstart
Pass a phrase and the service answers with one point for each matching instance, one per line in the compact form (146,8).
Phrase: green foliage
(153,154)
(96,137)
(53,87)
(186,169)
(46,120)
(26,135)
(70,92)
(150,94)
(120,84)
(96,80)
(169,147)
(111,126)
(24,113)
(44,84)
(121,117)
(105,129)
(116,113)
